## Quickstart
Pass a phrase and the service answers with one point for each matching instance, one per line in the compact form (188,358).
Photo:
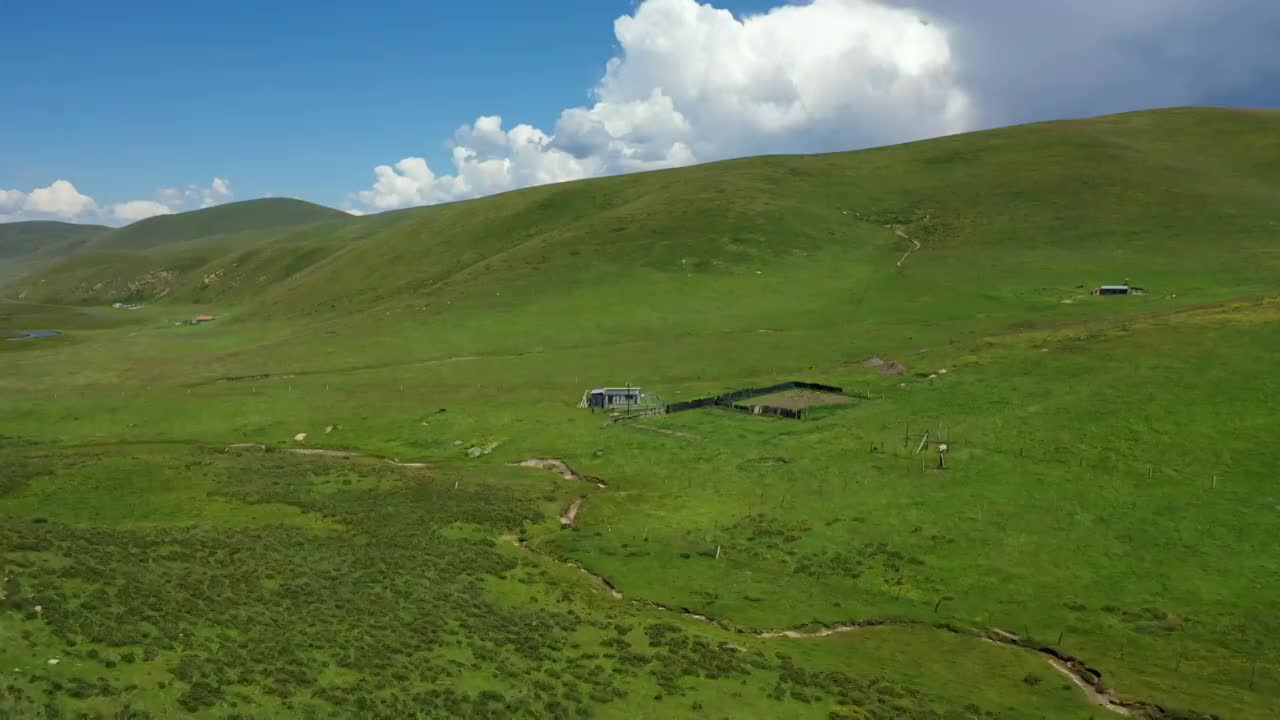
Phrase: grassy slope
(219,220)
(1098,200)
(200,255)
(1055,517)
(29,246)
(155,256)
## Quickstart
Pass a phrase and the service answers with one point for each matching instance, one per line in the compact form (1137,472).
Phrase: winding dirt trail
(567,518)
(665,431)
(898,231)
(341,454)
(1082,675)
(1103,699)
(599,580)
(560,466)
(826,631)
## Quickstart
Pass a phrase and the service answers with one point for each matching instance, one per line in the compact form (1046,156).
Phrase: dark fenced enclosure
(730,399)
(793,413)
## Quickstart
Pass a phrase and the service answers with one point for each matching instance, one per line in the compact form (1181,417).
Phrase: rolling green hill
(315,505)
(225,219)
(1107,197)
(28,246)
(138,260)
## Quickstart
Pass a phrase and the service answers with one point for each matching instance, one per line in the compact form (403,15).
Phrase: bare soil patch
(1101,699)
(800,399)
(340,454)
(893,368)
(482,450)
(562,467)
(326,453)
(397,463)
(262,377)
(665,431)
(572,512)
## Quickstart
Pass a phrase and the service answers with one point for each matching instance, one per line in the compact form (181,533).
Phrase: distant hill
(28,246)
(1032,213)
(226,219)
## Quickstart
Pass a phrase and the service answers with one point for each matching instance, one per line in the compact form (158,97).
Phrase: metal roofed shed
(611,397)
(1118,290)
(1112,290)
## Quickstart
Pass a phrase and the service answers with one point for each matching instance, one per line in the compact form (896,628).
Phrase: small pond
(29,334)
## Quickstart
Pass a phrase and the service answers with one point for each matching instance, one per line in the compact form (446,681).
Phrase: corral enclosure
(799,399)
(735,398)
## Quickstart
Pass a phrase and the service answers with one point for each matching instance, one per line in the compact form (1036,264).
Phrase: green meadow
(1107,492)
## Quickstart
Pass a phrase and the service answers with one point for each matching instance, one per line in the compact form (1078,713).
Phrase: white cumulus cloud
(62,201)
(193,196)
(694,83)
(486,160)
(135,210)
(12,199)
(59,199)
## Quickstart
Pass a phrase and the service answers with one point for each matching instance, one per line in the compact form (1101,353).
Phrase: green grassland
(1106,491)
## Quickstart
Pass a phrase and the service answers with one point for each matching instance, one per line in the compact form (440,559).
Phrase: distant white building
(612,397)
(1113,290)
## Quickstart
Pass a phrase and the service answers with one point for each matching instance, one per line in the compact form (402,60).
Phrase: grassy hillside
(45,238)
(29,246)
(1094,201)
(1106,497)
(189,252)
(219,220)
(113,260)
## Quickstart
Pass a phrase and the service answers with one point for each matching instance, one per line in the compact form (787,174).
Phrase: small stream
(31,334)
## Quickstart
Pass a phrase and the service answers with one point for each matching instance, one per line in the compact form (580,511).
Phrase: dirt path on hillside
(1082,675)
(824,632)
(322,452)
(664,431)
(599,580)
(561,467)
(567,518)
(1102,699)
(898,231)
(345,455)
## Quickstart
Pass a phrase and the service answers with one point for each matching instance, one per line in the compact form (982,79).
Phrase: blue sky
(127,100)
(277,98)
